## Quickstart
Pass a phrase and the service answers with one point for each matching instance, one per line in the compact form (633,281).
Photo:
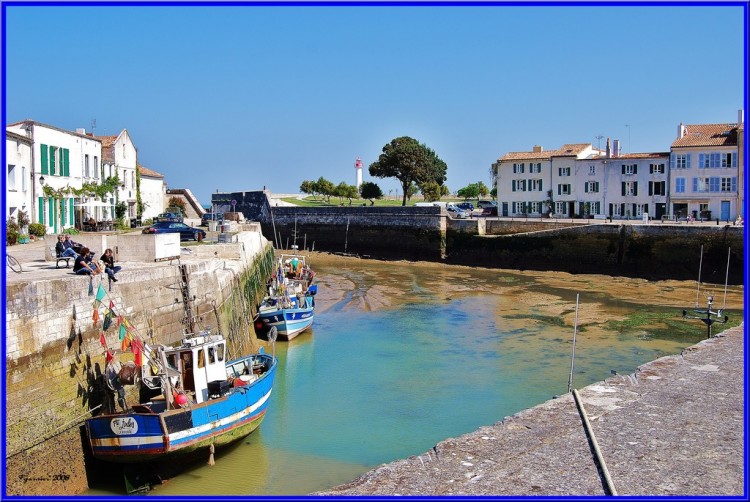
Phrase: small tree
(308,187)
(469,192)
(177,202)
(371,191)
(325,188)
(344,190)
(431,191)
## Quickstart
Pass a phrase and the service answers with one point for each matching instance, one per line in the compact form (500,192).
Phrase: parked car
(218,217)
(489,211)
(455,212)
(466,206)
(175,217)
(486,203)
(172,227)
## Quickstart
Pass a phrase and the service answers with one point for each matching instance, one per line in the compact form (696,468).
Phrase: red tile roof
(572,149)
(148,172)
(708,135)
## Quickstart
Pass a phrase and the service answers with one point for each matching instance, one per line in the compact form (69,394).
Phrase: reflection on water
(405,355)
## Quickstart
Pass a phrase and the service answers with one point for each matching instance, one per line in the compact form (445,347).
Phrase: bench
(59,258)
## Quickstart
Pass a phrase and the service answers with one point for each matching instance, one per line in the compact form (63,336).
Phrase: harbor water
(404,355)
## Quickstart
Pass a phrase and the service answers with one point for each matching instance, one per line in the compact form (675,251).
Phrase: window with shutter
(71,214)
(41,210)
(45,165)
(635,188)
(623,187)
(651,188)
(66,162)
(52,155)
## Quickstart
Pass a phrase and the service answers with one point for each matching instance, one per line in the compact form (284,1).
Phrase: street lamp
(41,180)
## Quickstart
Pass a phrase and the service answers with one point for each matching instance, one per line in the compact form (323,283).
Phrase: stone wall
(649,251)
(54,358)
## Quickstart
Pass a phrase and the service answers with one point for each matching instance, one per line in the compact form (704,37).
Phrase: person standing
(109,264)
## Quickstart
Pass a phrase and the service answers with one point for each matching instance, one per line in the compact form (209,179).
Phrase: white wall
(18,188)
(153,192)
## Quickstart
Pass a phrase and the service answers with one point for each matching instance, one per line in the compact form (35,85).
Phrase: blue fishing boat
(191,399)
(290,303)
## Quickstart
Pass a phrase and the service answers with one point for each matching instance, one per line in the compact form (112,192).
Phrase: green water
(402,356)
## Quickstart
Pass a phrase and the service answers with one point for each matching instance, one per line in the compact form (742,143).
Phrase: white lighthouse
(358,167)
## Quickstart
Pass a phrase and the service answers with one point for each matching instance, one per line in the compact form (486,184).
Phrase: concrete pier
(674,427)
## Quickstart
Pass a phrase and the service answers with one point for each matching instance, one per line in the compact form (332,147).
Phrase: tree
(344,190)
(444,190)
(469,192)
(411,191)
(308,187)
(431,191)
(371,191)
(177,202)
(411,163)
(325,188)
(483,190)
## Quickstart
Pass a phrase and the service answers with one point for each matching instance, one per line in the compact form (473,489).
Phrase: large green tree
(371,191)
(411,162)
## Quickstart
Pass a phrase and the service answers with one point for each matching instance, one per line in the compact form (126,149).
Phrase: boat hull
(288,322)
(146,437)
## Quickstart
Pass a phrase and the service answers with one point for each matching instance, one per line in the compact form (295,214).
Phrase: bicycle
(14,265)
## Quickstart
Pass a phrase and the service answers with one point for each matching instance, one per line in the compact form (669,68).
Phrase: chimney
(537,149)
(616,148)
(681,131)
(81,130)
(740,117)
(609,150)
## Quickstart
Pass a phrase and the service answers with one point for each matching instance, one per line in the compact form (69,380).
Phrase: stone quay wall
(55,360)
(649,251)
(652,250)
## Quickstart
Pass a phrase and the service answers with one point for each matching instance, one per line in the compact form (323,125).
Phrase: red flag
(111,304)
(102,340)
(138,357)
(109,356)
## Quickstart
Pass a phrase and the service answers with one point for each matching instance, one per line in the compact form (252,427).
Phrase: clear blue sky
(235,98)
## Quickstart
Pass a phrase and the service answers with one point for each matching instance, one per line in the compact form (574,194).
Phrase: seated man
(84,265)
(63,251)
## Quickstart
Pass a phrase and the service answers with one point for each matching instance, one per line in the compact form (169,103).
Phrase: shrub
(37,229)
(71,231)
(23,219)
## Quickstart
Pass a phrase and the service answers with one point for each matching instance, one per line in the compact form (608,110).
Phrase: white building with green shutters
(61,159)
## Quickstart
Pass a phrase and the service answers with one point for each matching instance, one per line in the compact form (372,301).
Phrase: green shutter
(62,213)
(51,212)
(635,188)
(41,209)
(66,162)
(52,155)
(72,215)
(45,169)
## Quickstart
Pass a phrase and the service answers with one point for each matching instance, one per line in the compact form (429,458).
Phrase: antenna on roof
(93,126)
(599,144)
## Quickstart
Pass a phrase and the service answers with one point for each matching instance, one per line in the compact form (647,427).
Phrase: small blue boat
(290,303)
(191,399)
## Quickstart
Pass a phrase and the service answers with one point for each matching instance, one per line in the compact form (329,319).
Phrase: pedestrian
(82,266)
(109,264)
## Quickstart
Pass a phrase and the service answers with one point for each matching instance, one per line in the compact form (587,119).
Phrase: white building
(62,159)
(705,170)
(153,192)
(18,164)
(119,157)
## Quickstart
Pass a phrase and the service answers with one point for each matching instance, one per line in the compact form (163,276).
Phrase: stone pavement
(674,427)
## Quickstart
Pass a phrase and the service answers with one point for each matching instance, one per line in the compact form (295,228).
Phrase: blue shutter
(689,158)
(695,184)
(671,160)
(623,187)
(701,160)
(635,188)
(734,183)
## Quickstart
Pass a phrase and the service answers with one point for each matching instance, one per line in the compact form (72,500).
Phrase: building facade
(705,170)
(701,177)
(61,159)
(153,192)
(119,157)
(18,169)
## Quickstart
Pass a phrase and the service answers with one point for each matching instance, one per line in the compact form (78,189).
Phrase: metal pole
(573,357)
(700,266)
(726,278)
